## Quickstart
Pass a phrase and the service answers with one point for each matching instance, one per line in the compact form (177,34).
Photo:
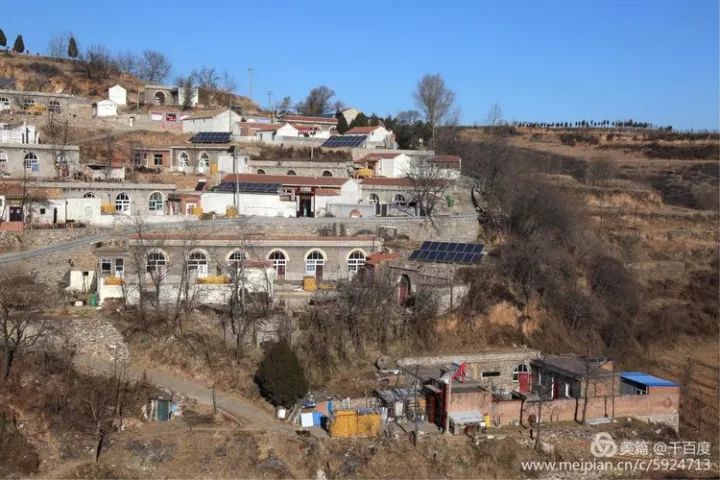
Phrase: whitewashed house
(18,133)
(117,94)
(275,131)
(215,121)
(377,136)
(105,108)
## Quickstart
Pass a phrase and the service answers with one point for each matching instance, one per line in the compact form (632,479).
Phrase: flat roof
(289,180)
(647,380)
(463,418)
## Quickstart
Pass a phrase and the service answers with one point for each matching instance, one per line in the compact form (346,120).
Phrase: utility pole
(270,107)
(250,80)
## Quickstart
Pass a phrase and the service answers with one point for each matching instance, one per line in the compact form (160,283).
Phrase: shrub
(601,170)
(280,376)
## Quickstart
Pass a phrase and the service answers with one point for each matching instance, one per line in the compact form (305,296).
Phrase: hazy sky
(651,60)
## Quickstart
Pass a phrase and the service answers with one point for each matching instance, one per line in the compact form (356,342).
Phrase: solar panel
(211,137)
(344,141)
(448,252)
(245,187)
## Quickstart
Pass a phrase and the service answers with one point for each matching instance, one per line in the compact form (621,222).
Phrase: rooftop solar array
(249,187)
(448,252)
(339,141)
(211,137)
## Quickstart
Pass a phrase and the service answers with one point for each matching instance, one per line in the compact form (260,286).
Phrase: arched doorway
(159,98)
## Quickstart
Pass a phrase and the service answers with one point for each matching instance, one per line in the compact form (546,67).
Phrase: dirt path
(251,416)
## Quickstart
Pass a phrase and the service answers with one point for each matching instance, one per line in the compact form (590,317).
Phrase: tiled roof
(375,259)
(389,182)
(373,157)
(446,161)
(201,115)
(248,238)
(361,130)
(306,119)
(291,180)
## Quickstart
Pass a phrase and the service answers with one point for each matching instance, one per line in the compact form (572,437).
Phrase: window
(122,203)
(3,161)
(28,103)
(399,200)
(156,262)
(313,260)
(158,159)
(291,172)
(54,106)
(261,172)
(236,258)
(119,267)
(204,160)
(327,173)
(183,159)
(106,266)
(89,195)
(356,261)
(198,262)
(62,159)
(42,211)
(522,368)
(373,199)
(279,262)
(31,163)
(155,203)
(4,103)
(489,374)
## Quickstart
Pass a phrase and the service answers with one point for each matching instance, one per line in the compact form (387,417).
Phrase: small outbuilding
(117,94)
(104,108)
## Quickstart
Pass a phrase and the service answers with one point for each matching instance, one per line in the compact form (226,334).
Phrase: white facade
(195,96)
(117,94)
(225,121)
(266,205)
(393,167)
(81,280)
(378,135)
(284,131)
(22,133)
(105,108)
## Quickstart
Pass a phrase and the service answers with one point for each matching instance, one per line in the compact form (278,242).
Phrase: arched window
(291,172)
(54,106)
(261,172)
(183,159)
(279,261)
(139,160)
(327,173)
(62,159)
(4,103)
(314,260)
(28,103)
(159,98)
(31,162)
(3,161)
(156,263)
(236,258)
(522,368)
(373,199)
(198,263)
(89,195)
(156,201)
(204,161)
(356,260)
(399,199)
(122,203)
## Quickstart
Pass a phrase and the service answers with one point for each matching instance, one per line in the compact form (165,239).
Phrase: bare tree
(495,116)
(434,99)
(58,45)
(97,62)
(428,184)
(154,66)
(187,87)
(228,82)
(317,102)
(105,408)
(128,62)
(285,106)
(206,77)
(21,322)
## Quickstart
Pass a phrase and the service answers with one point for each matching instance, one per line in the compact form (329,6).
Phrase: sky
(649,60)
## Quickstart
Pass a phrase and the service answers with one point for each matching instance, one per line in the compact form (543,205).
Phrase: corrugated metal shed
(646,379)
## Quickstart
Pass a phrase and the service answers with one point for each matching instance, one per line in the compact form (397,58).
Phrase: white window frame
(156,157)
(278,259)
(183,160)
(311,264)
(122,205)
(4,103)
(399,199)
(355,263)
(31,162)
(521,368)
(155,205)
(198,262)
(156,261)
(204,160)
(90,195)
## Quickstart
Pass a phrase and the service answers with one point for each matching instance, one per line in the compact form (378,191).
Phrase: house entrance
(305,206)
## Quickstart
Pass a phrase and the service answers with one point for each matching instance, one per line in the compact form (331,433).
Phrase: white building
(215,121)
(105,108)
(18,133)
(117,94)
(376,135)
(272,132)
(385,164)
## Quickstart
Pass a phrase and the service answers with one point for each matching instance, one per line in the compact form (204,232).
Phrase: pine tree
(280,376)
(3,39)
(19,46)
(342,125)
(72,48)
(360,121)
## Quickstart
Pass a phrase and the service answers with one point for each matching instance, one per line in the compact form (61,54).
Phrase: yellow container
(488,424)
(213,169)
(214,280)
(349,423)
(309,284)
(107,208)
(231,212)
(114,281)
(197,211)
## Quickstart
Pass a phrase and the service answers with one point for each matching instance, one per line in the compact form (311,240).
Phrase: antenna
(250,79)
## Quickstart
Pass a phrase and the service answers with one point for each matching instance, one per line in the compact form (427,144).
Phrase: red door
(524,382)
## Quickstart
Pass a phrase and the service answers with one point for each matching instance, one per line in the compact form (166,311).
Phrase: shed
(460,420)
(104,108)
(117,94)
(637,383)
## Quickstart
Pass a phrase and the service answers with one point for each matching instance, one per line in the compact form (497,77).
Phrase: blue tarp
(317,419)
(646,379)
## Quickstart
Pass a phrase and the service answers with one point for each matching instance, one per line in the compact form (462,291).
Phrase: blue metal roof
(647,379)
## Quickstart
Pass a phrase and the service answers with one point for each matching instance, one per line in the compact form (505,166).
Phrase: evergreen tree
(280,376)
(3,39)
(72,48)
(342,125)
(19,46)
(360,121)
